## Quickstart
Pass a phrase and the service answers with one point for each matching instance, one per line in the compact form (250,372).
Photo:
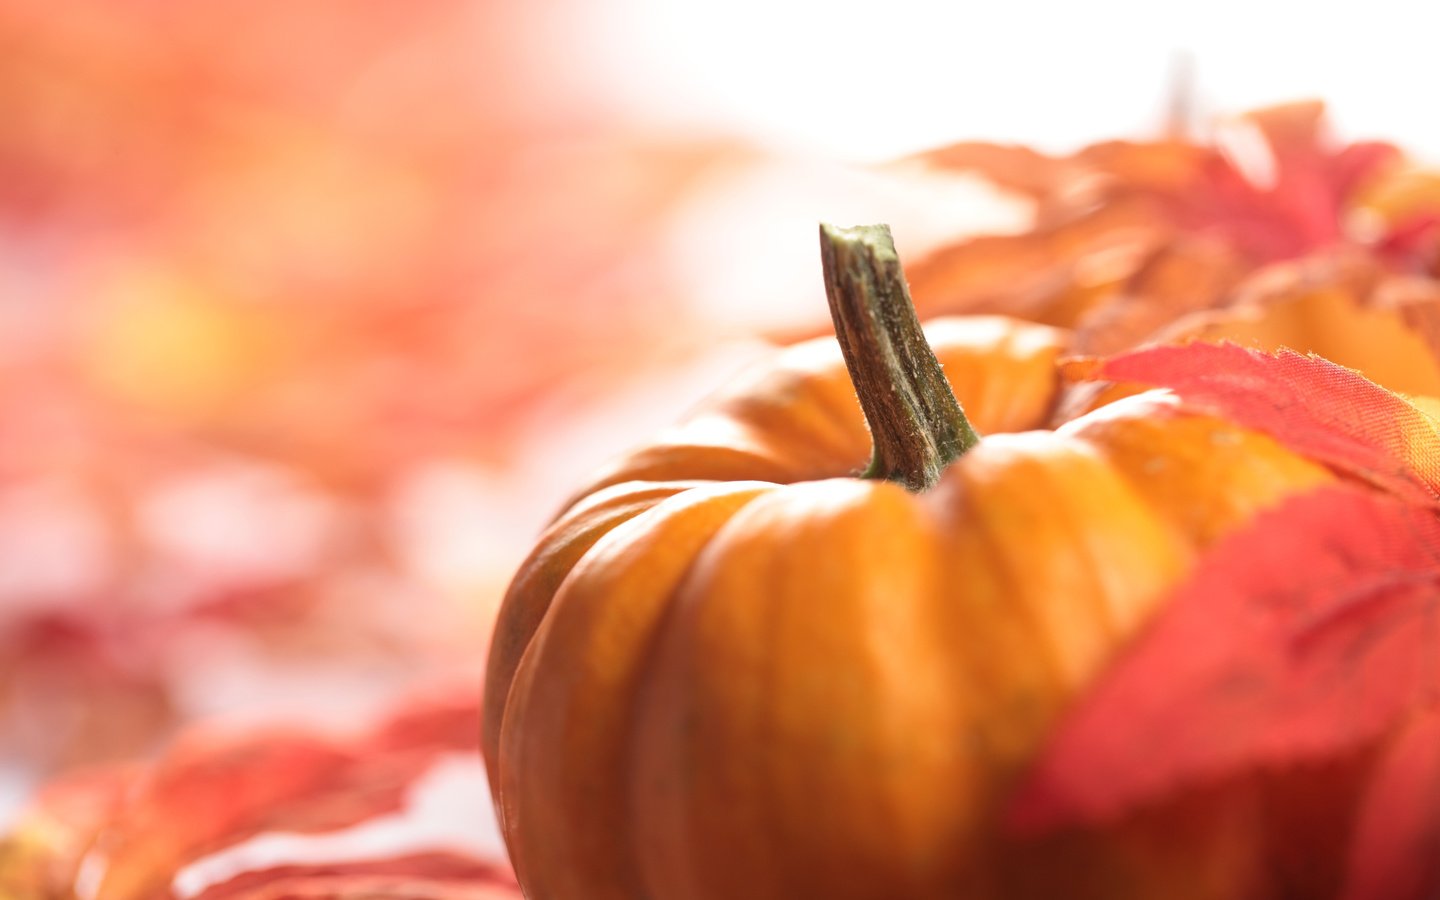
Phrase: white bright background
(868,80)
(826,85)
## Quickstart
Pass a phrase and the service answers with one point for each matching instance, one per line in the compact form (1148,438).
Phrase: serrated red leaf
(1306,634)
(1395,854)
(1315,407)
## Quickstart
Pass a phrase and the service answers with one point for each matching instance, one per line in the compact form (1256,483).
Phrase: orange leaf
(1007,165)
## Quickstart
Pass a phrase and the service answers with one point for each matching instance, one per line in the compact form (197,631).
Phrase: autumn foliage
(1274,232)
(133,829)
(273,281)
(1304,638)
(274,325)
(282,291)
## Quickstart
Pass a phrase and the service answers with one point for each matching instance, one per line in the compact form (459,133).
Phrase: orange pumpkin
(736,668)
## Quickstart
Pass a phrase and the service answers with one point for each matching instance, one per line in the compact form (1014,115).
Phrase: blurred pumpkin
(733,668)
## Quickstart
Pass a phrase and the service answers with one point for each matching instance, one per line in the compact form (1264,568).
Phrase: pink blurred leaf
(425,876)
(215,789)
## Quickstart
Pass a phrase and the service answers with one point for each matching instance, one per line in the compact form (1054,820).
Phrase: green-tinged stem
(916,423)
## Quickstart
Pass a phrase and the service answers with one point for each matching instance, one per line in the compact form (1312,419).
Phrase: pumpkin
(746,664)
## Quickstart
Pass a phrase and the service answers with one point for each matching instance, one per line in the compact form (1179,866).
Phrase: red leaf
(216,789)
(1308,633)
(1280,190)
(1360,162)
(421,876)
(1395,854)
(1301,205)
(1314,407)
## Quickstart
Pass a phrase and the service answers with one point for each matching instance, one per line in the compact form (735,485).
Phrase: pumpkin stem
(916,423)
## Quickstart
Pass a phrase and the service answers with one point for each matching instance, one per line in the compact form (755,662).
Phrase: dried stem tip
(917,425)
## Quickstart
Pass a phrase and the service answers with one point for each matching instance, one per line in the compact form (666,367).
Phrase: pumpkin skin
(733,670)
